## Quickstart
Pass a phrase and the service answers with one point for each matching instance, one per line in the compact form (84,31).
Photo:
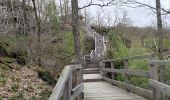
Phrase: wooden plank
(160,62)
(75,67)
(131,58)
(79,78)
(137,90)
(154,75)
(126,67)
(59,88)
(103,73)
(112,66)
(107,91)
(77,91)
(138,73)
(165,89)
(92,77)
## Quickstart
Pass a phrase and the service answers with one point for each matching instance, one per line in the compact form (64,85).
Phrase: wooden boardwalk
(105,91)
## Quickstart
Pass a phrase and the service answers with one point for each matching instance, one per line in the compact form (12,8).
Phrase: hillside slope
(22,83)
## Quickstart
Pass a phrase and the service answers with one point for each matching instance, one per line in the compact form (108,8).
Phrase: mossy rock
(1,97)
(4,67)
(44,75)
(20,56)
(3,48)
(7,59)
(5,63)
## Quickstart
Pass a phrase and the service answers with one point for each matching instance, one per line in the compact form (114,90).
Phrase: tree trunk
(24,18)
(38,33)
(159,29)
(160,37)
(160,43)
(76,31)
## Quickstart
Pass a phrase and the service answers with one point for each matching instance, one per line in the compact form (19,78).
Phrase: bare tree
(24,17)
(76,31)
(38,33)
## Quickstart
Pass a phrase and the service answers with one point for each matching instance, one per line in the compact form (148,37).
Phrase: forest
(38,38)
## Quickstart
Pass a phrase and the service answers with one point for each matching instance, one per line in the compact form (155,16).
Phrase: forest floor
(22,83)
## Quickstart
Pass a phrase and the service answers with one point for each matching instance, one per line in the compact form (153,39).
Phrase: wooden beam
(165,89)
(112,66)
(137,90)
(75,67)
(154,76)
(77,91)
(138,73)
(131,58)
(59,88)
(160,62)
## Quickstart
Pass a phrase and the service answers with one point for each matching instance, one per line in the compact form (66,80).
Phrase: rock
(45,75)
(20,56)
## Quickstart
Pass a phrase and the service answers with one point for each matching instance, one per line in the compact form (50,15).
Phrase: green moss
(33,98)
(1,97)
(14,87)
(45,94)
(4,67)
(20,55)
(3,49)
(3,79)
(7,59)
(17,97)
(15,79)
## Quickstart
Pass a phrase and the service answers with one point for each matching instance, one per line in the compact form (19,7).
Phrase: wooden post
(68,88)
(79,81)
(113,74)
(104,74)
(126,67)
(154,76)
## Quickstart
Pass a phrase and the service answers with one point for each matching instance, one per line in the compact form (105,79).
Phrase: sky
(140,17)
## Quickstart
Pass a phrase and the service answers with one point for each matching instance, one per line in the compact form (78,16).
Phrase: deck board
(106,91)
(92,76)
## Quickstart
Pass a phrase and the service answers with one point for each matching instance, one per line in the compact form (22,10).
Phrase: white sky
(139,16)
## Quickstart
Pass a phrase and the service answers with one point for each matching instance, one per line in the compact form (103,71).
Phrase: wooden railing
(92,55)
(127,73)
(69,85)
(155,84)
(151,75)
(99,43)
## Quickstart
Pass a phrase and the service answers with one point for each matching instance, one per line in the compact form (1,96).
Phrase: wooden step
(91,71)
(92,78)
(92,66)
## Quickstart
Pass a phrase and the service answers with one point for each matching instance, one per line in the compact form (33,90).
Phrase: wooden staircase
(91,73)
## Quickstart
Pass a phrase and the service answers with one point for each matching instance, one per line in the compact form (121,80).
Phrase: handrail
(165,89)
(70,76)
(131,58)
(151,74)
(155,84)
(127,73)
(99,47)
(89,32)
(92,55)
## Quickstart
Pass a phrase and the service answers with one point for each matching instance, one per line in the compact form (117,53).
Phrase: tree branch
(140,4)
(110,3)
